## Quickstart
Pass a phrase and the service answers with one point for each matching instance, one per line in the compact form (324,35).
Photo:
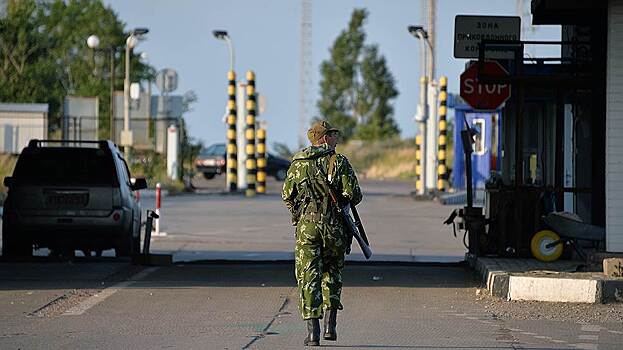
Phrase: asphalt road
(211,225)
(396,301)
(108,305)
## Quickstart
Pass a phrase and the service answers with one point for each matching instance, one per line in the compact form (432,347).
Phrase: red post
(158,193)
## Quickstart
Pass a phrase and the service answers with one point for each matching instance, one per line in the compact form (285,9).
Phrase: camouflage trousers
(319,260)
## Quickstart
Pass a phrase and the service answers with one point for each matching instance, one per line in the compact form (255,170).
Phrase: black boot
(313,332)
(330,323)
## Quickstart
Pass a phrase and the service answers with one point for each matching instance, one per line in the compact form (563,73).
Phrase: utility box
(81,118)
(139,121)
(21,122)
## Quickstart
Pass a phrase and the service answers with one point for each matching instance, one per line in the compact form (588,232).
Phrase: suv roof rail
(107,144)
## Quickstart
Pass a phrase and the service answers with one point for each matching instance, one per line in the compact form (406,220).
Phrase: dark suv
(71,197)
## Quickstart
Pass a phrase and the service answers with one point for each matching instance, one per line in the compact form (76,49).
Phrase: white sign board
(166,80)
(470,31)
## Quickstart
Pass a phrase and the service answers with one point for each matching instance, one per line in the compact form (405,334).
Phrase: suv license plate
(66,200)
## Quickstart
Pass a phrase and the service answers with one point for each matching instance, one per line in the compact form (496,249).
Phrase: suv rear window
(66,166)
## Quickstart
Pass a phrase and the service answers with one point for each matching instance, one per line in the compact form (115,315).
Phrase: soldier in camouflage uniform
(321,238)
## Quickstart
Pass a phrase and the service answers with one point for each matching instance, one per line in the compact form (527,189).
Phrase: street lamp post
(235,169)
(422,117)
(126,134)
(222,35)
(93,42)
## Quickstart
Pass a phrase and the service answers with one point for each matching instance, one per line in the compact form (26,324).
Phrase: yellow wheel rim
(539,243)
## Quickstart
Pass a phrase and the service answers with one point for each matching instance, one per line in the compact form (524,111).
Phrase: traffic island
(559,281)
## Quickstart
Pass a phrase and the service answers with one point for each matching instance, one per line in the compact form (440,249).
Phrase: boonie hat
(318,130)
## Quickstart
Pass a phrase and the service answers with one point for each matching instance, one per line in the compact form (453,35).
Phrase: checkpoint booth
(551,138)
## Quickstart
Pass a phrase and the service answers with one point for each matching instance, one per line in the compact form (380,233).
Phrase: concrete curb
(509,282)
(496,280)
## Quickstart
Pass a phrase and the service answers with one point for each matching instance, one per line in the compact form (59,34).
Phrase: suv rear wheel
(13,243)
(129,244)
(124,247)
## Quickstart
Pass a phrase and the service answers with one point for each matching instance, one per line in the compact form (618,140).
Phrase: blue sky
(266,39)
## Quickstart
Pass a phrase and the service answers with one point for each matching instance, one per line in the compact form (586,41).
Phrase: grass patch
(390,159)
(153,167)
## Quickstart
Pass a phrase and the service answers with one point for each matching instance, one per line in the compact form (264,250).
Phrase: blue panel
(481,158)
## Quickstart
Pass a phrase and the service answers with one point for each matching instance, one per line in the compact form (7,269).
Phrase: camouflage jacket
(304,190)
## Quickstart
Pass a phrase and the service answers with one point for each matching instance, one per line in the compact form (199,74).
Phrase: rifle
(355,228)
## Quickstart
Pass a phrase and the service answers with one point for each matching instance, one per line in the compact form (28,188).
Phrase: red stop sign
(480,95)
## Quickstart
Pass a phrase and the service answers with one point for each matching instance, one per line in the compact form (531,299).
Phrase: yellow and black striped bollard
(250,135)
(442,169)
(232,148)
(261,160)
(418,164)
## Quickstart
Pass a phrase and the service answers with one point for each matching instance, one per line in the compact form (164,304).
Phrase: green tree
(376,91)
(44,56)
(356,87)
(28,72)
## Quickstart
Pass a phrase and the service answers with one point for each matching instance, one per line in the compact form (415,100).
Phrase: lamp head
(140,31)
(134,36)
(220,34)
(93,41)
(418,31)
(131,41)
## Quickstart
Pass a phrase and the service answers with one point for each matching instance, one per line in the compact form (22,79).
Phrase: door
(481,158)
(569,147)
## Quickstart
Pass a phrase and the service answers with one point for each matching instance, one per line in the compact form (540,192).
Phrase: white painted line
(585,346)
(528,333)
(106,293)
(558,341)
(615,332)
(515,329)
(542,337)
(588,337)
(590,328)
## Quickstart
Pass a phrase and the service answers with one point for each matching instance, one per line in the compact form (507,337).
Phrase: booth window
(480,147)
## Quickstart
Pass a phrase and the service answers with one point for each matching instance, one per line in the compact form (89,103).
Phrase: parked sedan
(212,161)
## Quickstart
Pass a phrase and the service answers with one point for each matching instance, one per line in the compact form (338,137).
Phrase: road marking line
(558,341)
(591,328)
(528,333)
(588,337)
(542,337)
(106,293)
(585,346)
(615,332)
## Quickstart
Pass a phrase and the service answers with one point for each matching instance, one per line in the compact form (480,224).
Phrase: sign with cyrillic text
(470,31)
